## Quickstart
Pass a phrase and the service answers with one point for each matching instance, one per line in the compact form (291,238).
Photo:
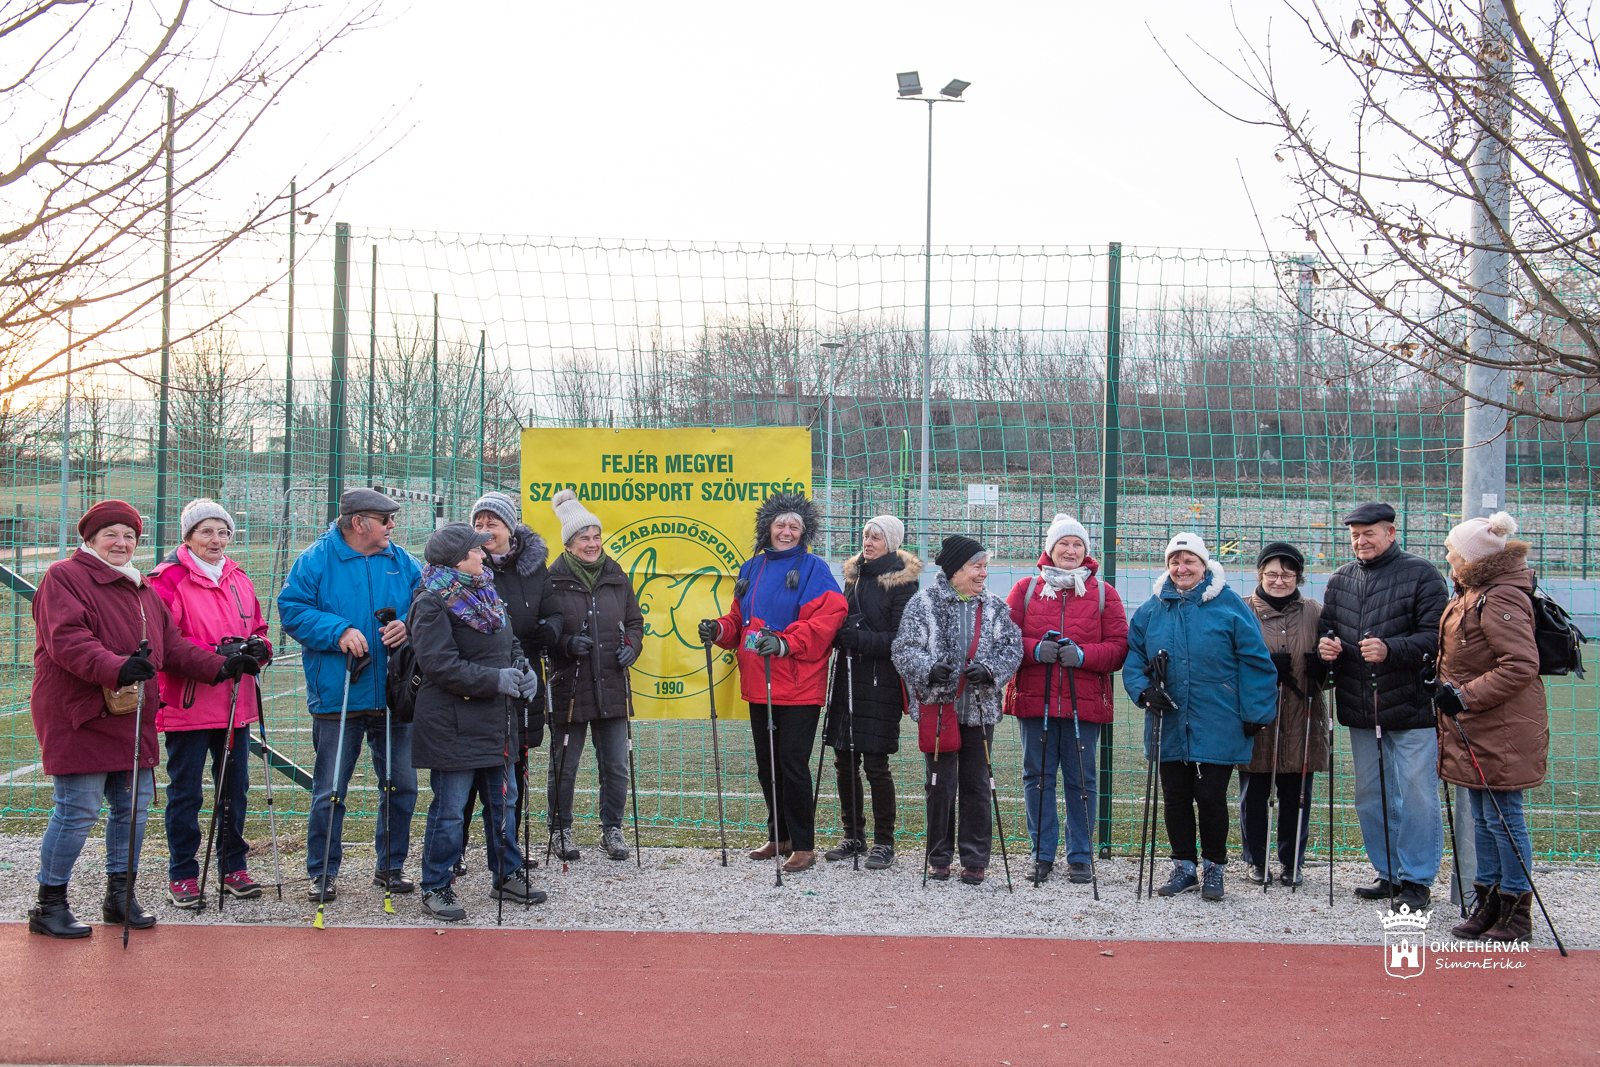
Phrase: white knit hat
(202,508)
(1188,542)
(575,518)
(1477,538)
(1065,526)
(892,529)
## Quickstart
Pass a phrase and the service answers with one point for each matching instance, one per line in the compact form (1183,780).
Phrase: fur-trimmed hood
(779,504)
(1510,562)
(1213,584)
(528,550)
(909,571)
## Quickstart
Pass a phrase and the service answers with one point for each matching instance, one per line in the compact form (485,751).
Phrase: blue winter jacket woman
(1219,672)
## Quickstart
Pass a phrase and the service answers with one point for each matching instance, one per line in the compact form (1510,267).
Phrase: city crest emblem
(1405,942)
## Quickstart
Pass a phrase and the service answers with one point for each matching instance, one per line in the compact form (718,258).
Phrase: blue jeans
(187,751)
(77,809)
(1498,862)
(402,802)
(446,827)
(1416,828)
(1059,750)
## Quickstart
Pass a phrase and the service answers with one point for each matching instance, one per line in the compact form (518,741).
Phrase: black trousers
(960,777)
(1255,791)
(852,797)
(1189,787)
(796,733)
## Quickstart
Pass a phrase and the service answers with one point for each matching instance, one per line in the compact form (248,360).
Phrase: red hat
(107,513)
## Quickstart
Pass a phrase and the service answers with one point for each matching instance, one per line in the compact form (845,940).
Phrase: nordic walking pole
(556,829)
(333,794)
(927,790)
(994,795)
(859,799)
(507,835)
(550,728)
(1506,829)
(272,812)
(1303,797)
(1044,750)
(1273,791)
(221,810)
(524,809)
(385,616)
(1144,826)
(1455,853)
(822,740)
(1083,782)
(133,792)
(633,773)
(1155,802)
(1383,782)
(772,756)
(716,753)
(1331,784)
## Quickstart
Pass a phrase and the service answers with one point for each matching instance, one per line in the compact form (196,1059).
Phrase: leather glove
(768,643)
(940,674)
(977,674)
(1319,672)
(710,631)
(237,665)
(510,682)
(549,631)
(626,654)
(1071,654)
(1285,664)
(1047,652)
(258,649)
(527,685)
(578,645)
(136,668)
(1449,701)
(1157,700)
(1252,728)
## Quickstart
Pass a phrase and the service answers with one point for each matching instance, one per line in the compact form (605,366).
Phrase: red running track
(276,995)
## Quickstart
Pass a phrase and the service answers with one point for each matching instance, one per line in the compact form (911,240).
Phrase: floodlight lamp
(910,84)
(954,89)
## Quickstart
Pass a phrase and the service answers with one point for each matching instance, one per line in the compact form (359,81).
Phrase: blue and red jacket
(806,617)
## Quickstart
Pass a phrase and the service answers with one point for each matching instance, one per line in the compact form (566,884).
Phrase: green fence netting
(1234,418)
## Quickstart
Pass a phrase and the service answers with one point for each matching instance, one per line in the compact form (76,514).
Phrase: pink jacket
(206,612)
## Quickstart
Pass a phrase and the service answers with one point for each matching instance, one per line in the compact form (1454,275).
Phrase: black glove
(626,654)
(1252,728)
(136,668)
(237,665)
(768,643)
(848,638)
(1157,700)
(1449,701)
(1046,652)
(549,631)
(578,645)
(977,674)
(710,630)
(1319,672)
(258,649)
(1285,664)
(940,674)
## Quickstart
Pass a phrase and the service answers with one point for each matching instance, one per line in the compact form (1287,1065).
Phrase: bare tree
(85,97)
(210,411)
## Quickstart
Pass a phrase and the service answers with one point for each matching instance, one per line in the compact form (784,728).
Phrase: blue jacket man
(329,604)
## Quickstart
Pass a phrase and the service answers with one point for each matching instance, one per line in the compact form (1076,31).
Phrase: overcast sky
(779,123)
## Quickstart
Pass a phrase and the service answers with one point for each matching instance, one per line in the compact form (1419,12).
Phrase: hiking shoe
(562,845)
(441,904)
(1414,895)
(1041,871)
(1212,889)
(241,886)
(393,881)
(1182,879)
(314,893)
(1378,890)
(1258,875)
(516,888)
(972,875)
(846,849)
(939,874)
(880,858)
(612,842)
(185,894)
(1292,878)
(1080,873)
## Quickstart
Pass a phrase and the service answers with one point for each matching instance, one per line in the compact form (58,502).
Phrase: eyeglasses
(382,520)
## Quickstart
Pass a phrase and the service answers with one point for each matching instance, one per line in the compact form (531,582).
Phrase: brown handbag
(124,700)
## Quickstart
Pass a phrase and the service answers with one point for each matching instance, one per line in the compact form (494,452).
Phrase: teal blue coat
(1220,674)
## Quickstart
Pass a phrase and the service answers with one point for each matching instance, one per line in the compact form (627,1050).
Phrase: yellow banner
(677,508)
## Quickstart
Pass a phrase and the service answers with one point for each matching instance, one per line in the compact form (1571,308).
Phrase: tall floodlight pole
(827,458)
(66,427)
(910,85)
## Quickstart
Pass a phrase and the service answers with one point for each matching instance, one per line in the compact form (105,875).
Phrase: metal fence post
(166,340)
(1110,470)
(337,385)
(372,360)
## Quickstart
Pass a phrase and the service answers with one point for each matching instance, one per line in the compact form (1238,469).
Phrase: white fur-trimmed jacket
(931,631)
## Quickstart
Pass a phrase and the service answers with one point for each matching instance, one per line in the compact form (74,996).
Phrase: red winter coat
(801,677)
(87,620)
(206,612)
(1103,638)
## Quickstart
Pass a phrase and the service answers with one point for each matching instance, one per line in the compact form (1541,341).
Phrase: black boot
(116,897)
(53,918)
(1041,871)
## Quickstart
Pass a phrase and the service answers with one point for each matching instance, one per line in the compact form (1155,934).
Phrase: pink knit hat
(1477,538)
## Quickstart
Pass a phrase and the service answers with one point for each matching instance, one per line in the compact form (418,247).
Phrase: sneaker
(847,848)
(314,893)
(441,904)
(517,889)
(241,886)
(394,881)
(185,894)
(1041,871)
(880,858)
(562,846)
(1080,873)
(1212,889)
(1378,890)
(1415,895)
(939,874)
(972,876)
(1182,879)
(1258,875)
(611,841)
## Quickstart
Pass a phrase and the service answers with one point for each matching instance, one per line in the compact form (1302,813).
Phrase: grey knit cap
(199,510)
(450,543)
(499,505)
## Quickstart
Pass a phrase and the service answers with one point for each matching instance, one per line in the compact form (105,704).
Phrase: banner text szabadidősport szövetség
(677,508)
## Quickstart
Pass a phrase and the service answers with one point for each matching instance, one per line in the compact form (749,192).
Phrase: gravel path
(689,890)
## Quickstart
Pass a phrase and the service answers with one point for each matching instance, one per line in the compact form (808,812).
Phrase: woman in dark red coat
(1067,599)
(90,614)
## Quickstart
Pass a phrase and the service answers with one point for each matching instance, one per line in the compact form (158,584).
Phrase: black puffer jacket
(461,718)
(594,686)
(878,595)
(1399,598)
(523,582)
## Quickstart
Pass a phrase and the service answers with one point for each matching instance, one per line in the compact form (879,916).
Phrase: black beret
(1285,551)
(1369,513)
(954,551)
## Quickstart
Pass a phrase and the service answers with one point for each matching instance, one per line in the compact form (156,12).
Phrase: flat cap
(450,543)
(352,501)
(1369,513)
